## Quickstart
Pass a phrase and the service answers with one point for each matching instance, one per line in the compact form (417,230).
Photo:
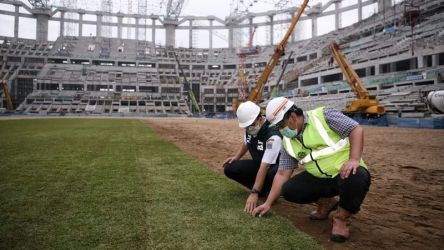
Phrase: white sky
(219,8)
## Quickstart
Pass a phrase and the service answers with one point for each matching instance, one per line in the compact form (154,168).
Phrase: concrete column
(250,27)
(314,26)
(271,30)
(137,28)
(230,36)
(338,19)
(99,25)
(377,69)
(42,17)
(190,35)
(435,60)
(368,71)
(420,59)
(35,85)
(359,10)
(413,64)
(119,26)
(42,28)
(153,30)
(16,21)
(211,34)
(170,32)
(62,24)
(81,24)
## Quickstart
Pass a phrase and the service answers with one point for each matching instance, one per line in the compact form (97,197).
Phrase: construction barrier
(429,122)
(394,121)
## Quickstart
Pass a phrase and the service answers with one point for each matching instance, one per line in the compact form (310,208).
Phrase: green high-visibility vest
(321,150)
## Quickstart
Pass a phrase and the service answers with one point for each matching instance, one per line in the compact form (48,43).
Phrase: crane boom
(7,96)
(256,93)
(174,8)
(250,40)
(190,91)
(275,90)
(352,78)
(364,103)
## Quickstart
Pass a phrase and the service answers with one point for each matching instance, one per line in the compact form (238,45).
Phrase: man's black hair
(296,110)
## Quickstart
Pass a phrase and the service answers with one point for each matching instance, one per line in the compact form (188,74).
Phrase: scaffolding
(142,10)
(243,53)
(129,20)
(107,7)
(412,16)
(70,28)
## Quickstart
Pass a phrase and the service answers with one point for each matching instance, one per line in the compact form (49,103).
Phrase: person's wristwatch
(254,191)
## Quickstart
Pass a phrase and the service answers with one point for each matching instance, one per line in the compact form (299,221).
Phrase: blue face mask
(287,132)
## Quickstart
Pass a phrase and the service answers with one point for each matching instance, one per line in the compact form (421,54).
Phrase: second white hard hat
(247,113)
(277,108)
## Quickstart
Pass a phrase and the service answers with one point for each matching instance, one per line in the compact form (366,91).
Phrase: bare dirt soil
(404,208)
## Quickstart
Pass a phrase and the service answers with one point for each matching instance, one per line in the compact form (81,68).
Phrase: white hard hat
(277,108)
(247,113)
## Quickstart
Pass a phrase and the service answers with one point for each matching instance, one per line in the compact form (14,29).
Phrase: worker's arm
(345,127)
(280,178)
(272,148)
(250,205)
(356,138)
(242,150)
(287,164)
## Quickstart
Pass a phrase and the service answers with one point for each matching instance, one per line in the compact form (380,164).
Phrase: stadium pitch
(113,183)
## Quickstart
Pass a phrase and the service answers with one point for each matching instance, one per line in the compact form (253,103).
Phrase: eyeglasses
(284,120)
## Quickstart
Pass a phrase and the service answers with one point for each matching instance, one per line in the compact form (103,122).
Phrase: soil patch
(404,208)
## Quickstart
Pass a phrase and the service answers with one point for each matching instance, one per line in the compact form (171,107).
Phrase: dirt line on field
(404,208)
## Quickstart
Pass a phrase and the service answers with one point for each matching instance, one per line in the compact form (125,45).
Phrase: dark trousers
(305,188)
(244,172)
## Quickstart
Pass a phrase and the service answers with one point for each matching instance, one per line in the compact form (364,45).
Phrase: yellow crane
(9,105)
(256,92)
(364,103)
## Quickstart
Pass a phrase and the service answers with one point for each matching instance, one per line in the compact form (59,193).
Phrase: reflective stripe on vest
(325,151)
(289,147)
(332,147)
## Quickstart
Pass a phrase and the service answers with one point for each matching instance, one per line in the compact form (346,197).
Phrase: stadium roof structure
(163,22)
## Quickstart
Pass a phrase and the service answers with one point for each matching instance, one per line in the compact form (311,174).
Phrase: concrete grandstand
(398,62)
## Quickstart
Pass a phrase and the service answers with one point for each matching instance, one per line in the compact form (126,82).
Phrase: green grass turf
(114,184)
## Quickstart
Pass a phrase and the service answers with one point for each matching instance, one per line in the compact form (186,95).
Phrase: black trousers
(244,172)
(305,188)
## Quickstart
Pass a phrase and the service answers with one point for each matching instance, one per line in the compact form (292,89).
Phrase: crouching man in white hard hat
(264,144)
(329,145)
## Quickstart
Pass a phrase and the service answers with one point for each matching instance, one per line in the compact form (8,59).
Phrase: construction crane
(365,103)
(190,91)
(275,90)
(9,105)
(174,7)
(39,3)
(294,74)
(256,93)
